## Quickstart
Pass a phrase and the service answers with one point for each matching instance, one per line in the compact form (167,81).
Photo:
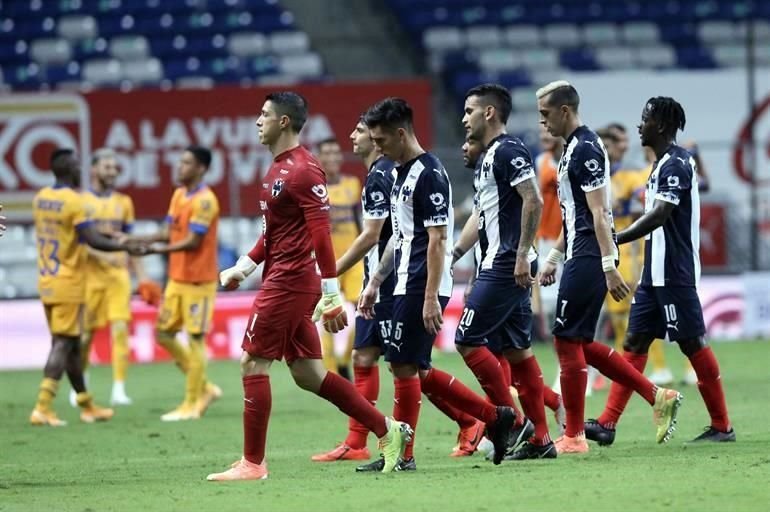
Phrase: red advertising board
(149,128)
(713,235)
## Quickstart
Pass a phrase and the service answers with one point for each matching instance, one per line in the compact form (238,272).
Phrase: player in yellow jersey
(108,284)
(190,240)
(345,202)
(61,223)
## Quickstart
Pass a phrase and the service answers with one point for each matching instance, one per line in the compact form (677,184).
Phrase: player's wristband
(245,265)
(555,256)
(330,285)
(608,263)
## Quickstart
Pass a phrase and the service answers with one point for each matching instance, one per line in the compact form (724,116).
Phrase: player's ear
(284,122)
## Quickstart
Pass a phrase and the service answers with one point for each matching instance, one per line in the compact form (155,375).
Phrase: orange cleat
(211,393)
(93,413)
(468,440)
(49,418)
(567,445)
(343,452)
(241,470)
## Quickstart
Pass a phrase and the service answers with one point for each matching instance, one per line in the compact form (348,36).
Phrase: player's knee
(691,345)
(118,328)
(637,343)
(464,350)
(251,365)
(165,338)
(364,358)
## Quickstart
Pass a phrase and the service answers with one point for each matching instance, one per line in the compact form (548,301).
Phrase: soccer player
(61,223)
(108,284)
(189,238)
(422,217)
(504,222)
(295,240)
(345,214)
(666,301)
(587,241)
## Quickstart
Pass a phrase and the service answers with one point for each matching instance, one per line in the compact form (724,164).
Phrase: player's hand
(616,285)
(330,309)
(135,248)
(548,274)
(431,315)
(230,278)
(150,292)
(367,300)
(522,272)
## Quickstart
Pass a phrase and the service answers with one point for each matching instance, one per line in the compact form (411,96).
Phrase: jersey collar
(195,190)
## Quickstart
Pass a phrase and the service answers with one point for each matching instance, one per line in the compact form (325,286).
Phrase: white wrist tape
(608,263)
(330,285)
(245,265)
(555,256)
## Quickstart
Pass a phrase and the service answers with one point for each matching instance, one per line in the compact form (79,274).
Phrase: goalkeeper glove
(231,278)
(150,292)
(330,309)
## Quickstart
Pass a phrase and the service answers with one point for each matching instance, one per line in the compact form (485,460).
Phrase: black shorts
(582,290)
(410,343)
(376,332)
(675,311)
(498,313)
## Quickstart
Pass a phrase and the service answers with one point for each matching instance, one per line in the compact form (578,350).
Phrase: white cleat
(73,398)
(690,378)
(662,377)
(120,399)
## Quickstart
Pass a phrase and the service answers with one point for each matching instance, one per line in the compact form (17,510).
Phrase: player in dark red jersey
(295,238)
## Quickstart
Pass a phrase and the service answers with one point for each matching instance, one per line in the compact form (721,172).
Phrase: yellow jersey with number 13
(59,213)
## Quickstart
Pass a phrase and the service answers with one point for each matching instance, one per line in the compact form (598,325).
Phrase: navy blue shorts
(410,343)
(498,313)
(674,311)
(376,332)
(582,290)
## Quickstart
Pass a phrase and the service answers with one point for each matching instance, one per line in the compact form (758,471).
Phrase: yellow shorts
(108,303)
(64,319)
(351,281)
(187,305)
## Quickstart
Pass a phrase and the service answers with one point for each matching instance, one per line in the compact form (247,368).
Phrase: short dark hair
(291,104)
(564,95)
(667,112)
(607,134)
(202,155)
(495,95)
(58,154)
(617,126)
(328,140)
(390,113)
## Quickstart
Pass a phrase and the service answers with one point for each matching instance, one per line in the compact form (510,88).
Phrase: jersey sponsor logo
(673,326)
(437,198)
(519,163)
(592,165)
(263,206)
(377,197)
(284,171)
(684,162)
(673,181)
(320,191)
(277,188)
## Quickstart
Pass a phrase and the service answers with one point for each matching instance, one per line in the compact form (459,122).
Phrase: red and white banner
(149,128)
(24,337)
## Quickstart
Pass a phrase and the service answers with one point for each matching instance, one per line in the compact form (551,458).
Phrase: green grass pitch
(136,462)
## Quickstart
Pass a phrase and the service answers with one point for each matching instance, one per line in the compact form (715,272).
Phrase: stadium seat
(50,51)
(639,33)
(600,34)
(129,47)
(483,36)
(246,44)
(195,82)
(289,43)
(518,35)
(307,65)
(524,99)
(615,57)
(659,56)
(561,35)
(498,59)
(102,71)
(712,32)
(142,70)
(77,27)
(442,39)
(540,58)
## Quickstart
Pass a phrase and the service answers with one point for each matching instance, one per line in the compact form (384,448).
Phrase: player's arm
(89,234)
(469,236)
(597,203)
(366,239)
(231,277)
(431,316)
(161,236)
(552,260)
(647,223)
(369,294)
(531,211)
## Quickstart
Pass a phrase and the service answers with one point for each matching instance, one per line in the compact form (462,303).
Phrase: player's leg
(661,375)
(119,314)
(169,323)
(43,413)
(95,317)
(327,350)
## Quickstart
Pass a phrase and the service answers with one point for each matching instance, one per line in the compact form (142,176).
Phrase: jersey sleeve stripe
(201,229)
(82,225)
(521,178)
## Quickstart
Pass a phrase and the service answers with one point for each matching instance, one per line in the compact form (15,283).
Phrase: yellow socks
(178,351)
(327,351)
(620,327)
(84,400)
(196,373)
(120,350)
(48,390)
(657,355)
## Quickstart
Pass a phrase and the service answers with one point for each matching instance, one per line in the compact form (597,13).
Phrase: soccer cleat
(468,440)
(568,445)
(518,435)
(241,470)
(529,450)
(211,393)
(595,431)
(690,378)
(662,377)
(182,413)
(48,418)
(715,436)
(665,409)
(499,432)
(342,452)
(377,465)
(120,398)
(393,443)
(73,397)
(560,414)
(93,413)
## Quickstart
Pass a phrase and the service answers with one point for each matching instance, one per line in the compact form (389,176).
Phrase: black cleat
(533,451)
(715,436)
(499,432)
(595,431)
(377,465)
(519,435)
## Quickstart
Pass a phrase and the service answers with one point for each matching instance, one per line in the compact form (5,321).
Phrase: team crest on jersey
(277,188)
(406,192)
(320,191)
